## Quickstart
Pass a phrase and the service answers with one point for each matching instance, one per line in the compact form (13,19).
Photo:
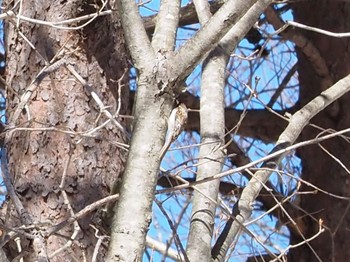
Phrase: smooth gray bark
(160,74)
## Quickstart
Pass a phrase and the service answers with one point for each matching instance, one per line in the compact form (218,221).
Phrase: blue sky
(270,77)
(270,72)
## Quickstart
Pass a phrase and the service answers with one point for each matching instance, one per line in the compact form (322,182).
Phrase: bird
(176,123)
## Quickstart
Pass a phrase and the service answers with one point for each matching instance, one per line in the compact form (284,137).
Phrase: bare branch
(203,10)
(320,231)
(38,240)
(269,125)
(98,244)
(32,87)
(212,138)
(164,249)
(165,32)
(171,224)
(317,30)
(282,86)
(187,15)
(297,123)
(305,45)
(98,101)
(207,37)
(76,227)
(135,34)
(242,27)
(21,211)
(81,213)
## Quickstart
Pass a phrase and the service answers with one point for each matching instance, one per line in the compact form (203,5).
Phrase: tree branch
(258,123)
(282,86)
(165,32)
(135,34)
(298,121)
(207,37)
(305,45)
(187,15)
(202,10)
(164,249)
(212,136)
(212,139)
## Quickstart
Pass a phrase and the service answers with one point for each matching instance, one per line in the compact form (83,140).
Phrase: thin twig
(98,243)
(320,231)
(171,224)
(22,213)
(32,87)
(69,207)
(317,30)
(254,163)
(81,213)
(98,101)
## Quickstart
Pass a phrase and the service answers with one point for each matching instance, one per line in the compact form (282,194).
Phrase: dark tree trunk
(37,158)
(318,167)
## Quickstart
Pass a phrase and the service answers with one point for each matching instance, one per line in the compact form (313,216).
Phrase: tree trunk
(318,167)
(38,157)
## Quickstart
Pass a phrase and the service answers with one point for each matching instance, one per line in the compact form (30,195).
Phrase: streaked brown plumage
(176,123)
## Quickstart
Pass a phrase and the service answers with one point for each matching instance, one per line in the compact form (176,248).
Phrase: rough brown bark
(37,158)
(319,168)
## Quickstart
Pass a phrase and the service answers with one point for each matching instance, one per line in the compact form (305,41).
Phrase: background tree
(67,133)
